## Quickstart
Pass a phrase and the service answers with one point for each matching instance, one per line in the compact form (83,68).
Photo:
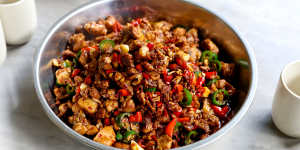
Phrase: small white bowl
(286,104)
(19,20)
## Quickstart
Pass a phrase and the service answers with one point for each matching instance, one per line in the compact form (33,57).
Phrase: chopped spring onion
(120,117)
(219,102)
(211,82)
(129,135)
(188,139)
(105,45)
(150,90)
(67,63)
(70,89)
(243,63)
(188,96)
(210,55)
(119,136)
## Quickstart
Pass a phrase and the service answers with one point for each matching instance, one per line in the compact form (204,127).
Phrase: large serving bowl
(181,12)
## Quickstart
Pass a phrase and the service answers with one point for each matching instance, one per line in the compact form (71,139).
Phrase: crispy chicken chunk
(106,136)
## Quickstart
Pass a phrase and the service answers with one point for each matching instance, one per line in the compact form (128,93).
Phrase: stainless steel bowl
(182,12)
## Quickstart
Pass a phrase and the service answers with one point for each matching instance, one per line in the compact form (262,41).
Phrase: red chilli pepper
(136,22)
(85,49)
(115,57)
(178,88)
(138,116)
(150,46)
(173,66)
(170,41)
(139,67)
(210,75)
(117,27)
(181,63)
(107,121)
(96,47)
(200,92)
(78,90)
(123,92)
(139,20)
(154,137)
(166,48)
(184,119)
(116,113)
(200,81)
(221,112)
(170,128)
(157,93)
(177,113)
(159,104)
(167,78)
(132,118)
(88,80)
(189,76)
(109,71)
(149,95)
(75,72)
(146,76)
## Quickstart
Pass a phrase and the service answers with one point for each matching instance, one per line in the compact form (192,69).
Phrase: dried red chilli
(170,127)
(181,63)
(159,104)
(154,137)
(200,91)
(173,66)
(106,121)
(146,76)
(184,119)
(139,67)
(136,118)
(177,114)
(77,90)
(136,22)
(166,48)
(170,41)
(210,75)
(167,78)
(221,112)
(117,27)
(150,46)
(178,88)
(88,80)
(200,81)
(109,71)
(116,113)
(75,72)
(123,92)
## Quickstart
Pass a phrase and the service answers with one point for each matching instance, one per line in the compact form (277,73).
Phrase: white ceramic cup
(286,102)
(19,20)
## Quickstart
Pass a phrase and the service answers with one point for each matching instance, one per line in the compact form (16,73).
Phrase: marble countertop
(272,28)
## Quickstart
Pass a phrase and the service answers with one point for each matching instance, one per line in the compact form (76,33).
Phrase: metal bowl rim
(56,120)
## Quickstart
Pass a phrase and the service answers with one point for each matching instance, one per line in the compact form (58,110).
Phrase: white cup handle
(3,48)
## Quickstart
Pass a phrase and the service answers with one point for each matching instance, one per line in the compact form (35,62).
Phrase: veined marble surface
(272,28)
